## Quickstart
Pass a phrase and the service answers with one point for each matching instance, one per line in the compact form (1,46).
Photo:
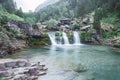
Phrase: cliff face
(18,35)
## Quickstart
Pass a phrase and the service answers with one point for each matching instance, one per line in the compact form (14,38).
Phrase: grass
(8,15)
(13,16)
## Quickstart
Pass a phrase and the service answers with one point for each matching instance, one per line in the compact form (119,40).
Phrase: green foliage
(28,17)
(2,78)
(3,20)
(1,9)
(85,36)
(111,17)
(9,5)
(30,20)
(52,22)
(4,36)
(77,8)
(5,16)
(13,16)
(38,42)
(97,17)
(8,11)
(19,12)
(55,11)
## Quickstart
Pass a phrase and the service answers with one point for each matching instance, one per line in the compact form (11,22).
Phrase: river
(99,62)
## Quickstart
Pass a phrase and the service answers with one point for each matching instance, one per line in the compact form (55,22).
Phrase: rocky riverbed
(20,69)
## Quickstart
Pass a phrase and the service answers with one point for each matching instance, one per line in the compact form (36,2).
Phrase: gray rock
(4,74)
(20,77)
(33,71)
(10,64)
(27,64)
(21,63)
(20,69)
(2,67)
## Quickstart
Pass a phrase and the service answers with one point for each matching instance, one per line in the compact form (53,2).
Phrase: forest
(106,14)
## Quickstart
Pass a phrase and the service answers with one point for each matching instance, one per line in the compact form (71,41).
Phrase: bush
(52,22)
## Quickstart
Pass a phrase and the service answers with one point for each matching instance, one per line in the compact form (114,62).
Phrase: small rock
(33,71)
(41,73)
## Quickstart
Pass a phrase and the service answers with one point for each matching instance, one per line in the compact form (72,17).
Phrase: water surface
(101,62)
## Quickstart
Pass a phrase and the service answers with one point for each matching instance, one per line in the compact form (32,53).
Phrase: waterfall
(65,38)
(60,38)
(52,38)
(76,38)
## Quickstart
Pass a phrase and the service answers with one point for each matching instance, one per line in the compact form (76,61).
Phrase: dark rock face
(7,46)
(14,36)
(66,21)
(23,27)
(54,28)
(35,33)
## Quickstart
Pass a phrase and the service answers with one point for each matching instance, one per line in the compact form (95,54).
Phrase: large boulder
(35,33)
(5,45)
(24,27)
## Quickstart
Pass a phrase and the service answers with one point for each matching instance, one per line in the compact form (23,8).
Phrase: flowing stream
(65,62)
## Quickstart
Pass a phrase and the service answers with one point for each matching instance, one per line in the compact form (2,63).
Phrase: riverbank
(20,69)
(19,35)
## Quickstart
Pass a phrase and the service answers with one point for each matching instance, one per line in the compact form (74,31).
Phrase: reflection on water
(102,63)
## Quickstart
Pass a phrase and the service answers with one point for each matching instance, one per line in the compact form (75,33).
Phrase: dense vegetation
(8,10)
(106,14)
(77,8)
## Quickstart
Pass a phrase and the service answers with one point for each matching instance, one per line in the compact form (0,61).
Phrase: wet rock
(80,68)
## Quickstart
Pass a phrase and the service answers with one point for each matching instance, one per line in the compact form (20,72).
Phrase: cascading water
(60,38)
(65,38)
(76,38)
(52,38)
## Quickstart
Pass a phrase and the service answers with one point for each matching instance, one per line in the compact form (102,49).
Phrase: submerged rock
(80,68)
